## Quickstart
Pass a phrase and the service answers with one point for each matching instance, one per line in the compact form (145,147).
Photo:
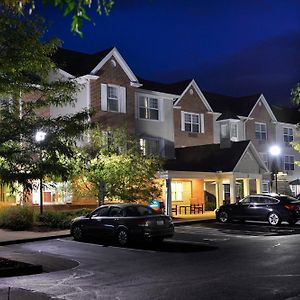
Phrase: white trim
(64,73)
(160,94)
(115,53)
(202,123)
(267,106)
(122,99)
(197,89)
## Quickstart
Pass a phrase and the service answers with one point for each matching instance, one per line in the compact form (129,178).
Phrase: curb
(5,243)
(190,222)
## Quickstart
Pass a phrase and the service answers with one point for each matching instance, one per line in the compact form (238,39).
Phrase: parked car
(273,208)
(123,222)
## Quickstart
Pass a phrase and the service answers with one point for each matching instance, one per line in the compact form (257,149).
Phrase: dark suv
(273,208)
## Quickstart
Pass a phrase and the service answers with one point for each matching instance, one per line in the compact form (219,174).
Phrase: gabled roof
(78,63)
(207,158)
(239,106)
(175,88)
(286,114)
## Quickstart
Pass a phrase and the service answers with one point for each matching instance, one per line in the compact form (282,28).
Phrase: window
(192,122)
(181,190)
(234,132)
(289,163)
(116,212)
(288,135)
(226,189)
(265,187)
(150,146)
(224,128)
(148,108)
(261,131)
(113,98)
(265,158)
(101,212)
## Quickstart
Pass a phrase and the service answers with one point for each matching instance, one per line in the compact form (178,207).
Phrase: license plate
(160,222)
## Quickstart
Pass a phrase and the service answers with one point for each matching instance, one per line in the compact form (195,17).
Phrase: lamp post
(275,152)
(40,137)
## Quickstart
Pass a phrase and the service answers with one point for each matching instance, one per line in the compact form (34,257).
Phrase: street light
(40,137)
(275,152)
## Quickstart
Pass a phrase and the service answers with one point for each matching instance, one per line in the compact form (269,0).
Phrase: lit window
(261,131)
(289,162)
(150,146)
(148,108)
(226,192)
(112,98)
(288,135)
(191,122)
(181,190)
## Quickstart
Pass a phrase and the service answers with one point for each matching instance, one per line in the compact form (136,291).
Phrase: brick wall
(111,74)
(192,103)
(261,115)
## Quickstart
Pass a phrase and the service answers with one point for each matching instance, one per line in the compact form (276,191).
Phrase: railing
(188,209)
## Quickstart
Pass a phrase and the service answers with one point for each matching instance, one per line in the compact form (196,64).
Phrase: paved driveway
(204,261)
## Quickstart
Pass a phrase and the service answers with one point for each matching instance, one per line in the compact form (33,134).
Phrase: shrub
(61,219)
(17,218)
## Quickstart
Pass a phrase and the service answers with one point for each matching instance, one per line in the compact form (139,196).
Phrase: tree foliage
(77,8)
(116,169)
(26,96)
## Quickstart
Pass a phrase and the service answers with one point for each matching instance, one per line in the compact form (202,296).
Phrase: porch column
(168,203)
(258,185)
(232,189)
(246,187)
(219,193)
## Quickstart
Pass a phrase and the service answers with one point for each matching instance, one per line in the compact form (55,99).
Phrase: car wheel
(122,237)
(274,219)
(77,233)
(223,217)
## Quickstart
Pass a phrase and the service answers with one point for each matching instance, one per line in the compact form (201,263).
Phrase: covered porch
(193,193)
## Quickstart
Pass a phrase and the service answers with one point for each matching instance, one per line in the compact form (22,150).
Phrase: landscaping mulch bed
(10,268)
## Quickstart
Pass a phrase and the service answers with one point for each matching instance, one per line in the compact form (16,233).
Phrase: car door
(95,225)
(257,208)
(241,208)
(112,221)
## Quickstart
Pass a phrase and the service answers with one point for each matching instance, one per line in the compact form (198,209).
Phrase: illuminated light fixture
(275,150)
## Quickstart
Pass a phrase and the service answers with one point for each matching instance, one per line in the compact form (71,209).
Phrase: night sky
(233,47)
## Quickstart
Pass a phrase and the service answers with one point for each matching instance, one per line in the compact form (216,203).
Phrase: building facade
(175,120)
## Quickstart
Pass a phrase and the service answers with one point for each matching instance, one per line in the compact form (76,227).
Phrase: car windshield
(289,199)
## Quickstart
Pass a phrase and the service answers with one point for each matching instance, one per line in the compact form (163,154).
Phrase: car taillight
(289,206)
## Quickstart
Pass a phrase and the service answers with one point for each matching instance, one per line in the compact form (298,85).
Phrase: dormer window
(234,131)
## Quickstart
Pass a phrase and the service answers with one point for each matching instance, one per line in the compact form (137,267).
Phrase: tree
(26,97)
(116,169)
(77,8)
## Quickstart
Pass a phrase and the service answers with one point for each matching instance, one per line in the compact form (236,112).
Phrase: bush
(17,218)
(61,219)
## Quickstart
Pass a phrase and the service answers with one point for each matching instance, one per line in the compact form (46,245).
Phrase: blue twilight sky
(234,47)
